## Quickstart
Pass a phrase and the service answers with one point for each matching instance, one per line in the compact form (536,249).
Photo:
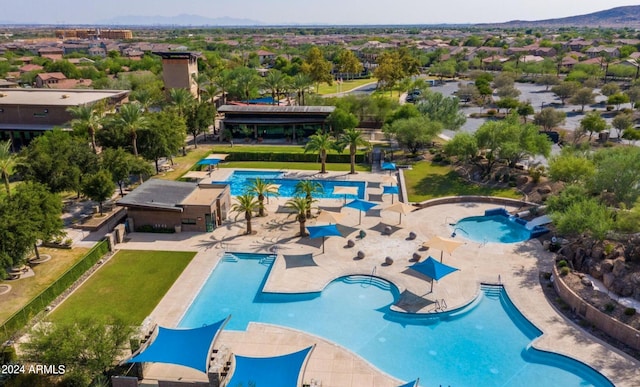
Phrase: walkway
(517,266)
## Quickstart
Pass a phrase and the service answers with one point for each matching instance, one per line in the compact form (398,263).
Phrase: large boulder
(597,252)
(619,267)
(606,266)
(596,271)
(544,189)
(608,279)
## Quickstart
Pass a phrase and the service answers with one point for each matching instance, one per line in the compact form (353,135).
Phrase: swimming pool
(484,344)
(492,228)
(241,180)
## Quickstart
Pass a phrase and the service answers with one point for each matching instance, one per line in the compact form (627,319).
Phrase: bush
(491,112)
(609,108)
(8,355)
(546,276)
(562,263)
(629,311)
(609,307)
(608,248)
(564,271)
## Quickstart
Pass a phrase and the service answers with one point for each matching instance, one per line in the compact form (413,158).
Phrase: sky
(304,11)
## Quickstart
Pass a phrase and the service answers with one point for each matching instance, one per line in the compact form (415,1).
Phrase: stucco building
(179,70)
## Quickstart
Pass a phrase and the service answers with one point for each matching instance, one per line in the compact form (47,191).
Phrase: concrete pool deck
(516,266)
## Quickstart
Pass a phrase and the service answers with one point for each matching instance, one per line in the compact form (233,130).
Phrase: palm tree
(182,99)
(261,188)
(353,139)
(144,97)
(246,81)
(246,205)
(301,208)
(308,188)
(7,163)
(224,81)
(131,118)
(86,118)
(321,143)
(275,81)
(301,83)
(210,91)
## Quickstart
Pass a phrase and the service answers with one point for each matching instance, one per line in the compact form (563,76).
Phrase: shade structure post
(322,245)
(359,217)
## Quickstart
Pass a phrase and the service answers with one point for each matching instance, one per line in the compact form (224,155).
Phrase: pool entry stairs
(535,229)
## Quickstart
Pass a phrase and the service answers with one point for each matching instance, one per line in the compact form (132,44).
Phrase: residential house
(265,56)
(599,51)
(48,79)
(30,67)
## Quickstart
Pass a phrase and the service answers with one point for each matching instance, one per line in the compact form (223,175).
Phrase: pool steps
(536,230)
(367,280)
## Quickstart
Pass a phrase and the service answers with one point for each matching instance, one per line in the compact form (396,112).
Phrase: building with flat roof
(274,122)
(175,205)
(26,113)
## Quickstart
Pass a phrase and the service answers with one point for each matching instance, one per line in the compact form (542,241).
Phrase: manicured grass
(182,164)
(25,289)
(339,167)
(347,85)
(428,181)
(258,148)
(129,287)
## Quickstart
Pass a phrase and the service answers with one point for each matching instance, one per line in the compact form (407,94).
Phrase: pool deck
(516,266)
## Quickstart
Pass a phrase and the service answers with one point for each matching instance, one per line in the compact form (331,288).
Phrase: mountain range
(619,17)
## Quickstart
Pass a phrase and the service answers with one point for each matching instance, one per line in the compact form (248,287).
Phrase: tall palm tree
(210,91)
(131,118)
(275,81)
(224,81)
(301,83)
(85,117)
(261,188)
(301,209)
(353,139)
(246,81)
(7,163)
(144,97)
(308,188)
(246,204)
(321,143)
(182,99)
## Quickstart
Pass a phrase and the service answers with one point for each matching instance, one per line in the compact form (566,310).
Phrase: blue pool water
(484,344)
(492,228)
(241,180)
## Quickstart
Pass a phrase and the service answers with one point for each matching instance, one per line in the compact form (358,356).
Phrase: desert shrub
(608,248)
(609,307)
(562,263)
(491,112)
(564,271)
(629,311)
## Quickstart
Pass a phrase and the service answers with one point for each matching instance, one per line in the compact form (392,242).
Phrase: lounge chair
(362,234)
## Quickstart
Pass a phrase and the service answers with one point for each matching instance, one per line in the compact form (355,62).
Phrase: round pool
(492,228)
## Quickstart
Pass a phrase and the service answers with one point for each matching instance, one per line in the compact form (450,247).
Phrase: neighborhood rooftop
(56,97)
(276,109)
(157,193)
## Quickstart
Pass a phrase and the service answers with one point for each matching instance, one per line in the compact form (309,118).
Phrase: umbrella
(390,189)
(401,208)
(387,166)
(442,244)
(412,384)
(361,205)
(221,156)
(389,179)
(345,190)
(323,231)
(433,269)
(330,216)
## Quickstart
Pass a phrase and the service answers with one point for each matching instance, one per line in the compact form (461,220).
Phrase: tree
(301,83)
(88,348)
(308,188)
(321,143)
(163,137)
(634,95)
(245,205)
(617,172)
(182,100)
(348,63)
(31,214)
(414,133)
(7,164)
(199,118)
(525,109)
(631,135)
(389,70)
(445,110)
(276,82)
(464,146)
(593,123)
(58,160)
(261,189)
(520,141)
(224,81)
(340,120)
(585,216)
(99,187)
(503,80)
(610,89)
(547,80)
(584,96)
(621,122)
(565,90)
(353,139)
(507,103)
(549,118)
(246,83)
(618,99)
(122,164)
(468,92)
(131,118)
(301,209)
(86,118)
(508,92)
(317,68)
(571,168)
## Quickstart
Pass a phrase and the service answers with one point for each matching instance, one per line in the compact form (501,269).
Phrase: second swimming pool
(485,344)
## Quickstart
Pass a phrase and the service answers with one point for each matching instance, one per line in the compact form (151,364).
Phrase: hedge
(19,319)
(293,157)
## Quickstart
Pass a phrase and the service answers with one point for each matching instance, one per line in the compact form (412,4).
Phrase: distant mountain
(179,20)
(618,17)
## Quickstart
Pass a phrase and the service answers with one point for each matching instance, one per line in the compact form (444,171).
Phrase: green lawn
(347,85)
(338,167)
(129,287)
(428,181)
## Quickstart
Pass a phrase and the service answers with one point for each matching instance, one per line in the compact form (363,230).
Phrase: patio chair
(362,234)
